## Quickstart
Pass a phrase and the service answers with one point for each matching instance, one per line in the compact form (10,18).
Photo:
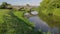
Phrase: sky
(22,2)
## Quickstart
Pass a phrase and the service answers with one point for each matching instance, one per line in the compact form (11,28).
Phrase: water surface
(39,24)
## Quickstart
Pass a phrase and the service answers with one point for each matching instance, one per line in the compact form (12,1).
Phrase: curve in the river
(39,24)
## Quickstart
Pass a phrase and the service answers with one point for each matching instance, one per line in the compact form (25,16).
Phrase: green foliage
(5,5)
(49,4)
(49,11)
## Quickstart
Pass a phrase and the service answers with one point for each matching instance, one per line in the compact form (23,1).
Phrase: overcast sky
(22,2)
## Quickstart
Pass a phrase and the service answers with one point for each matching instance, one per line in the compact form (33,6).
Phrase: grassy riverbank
(12,22)
(20,14)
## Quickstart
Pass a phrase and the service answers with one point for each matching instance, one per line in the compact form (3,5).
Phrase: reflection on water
(39,24)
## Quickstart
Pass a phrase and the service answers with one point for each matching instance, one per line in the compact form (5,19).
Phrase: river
(39,24)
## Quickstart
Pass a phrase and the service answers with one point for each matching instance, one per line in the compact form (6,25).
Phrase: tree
(5,5)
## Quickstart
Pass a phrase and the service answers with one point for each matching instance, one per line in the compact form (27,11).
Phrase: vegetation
(5,5)
(14,22)
(49,11)
(11,24)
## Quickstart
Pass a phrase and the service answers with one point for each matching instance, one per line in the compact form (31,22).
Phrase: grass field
(14,23)
(2,13)
(20,14)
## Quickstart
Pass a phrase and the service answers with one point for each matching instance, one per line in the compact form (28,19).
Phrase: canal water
(39,24)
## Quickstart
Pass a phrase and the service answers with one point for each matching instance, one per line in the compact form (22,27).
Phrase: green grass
(14,23)
(2,13)
(20,14)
